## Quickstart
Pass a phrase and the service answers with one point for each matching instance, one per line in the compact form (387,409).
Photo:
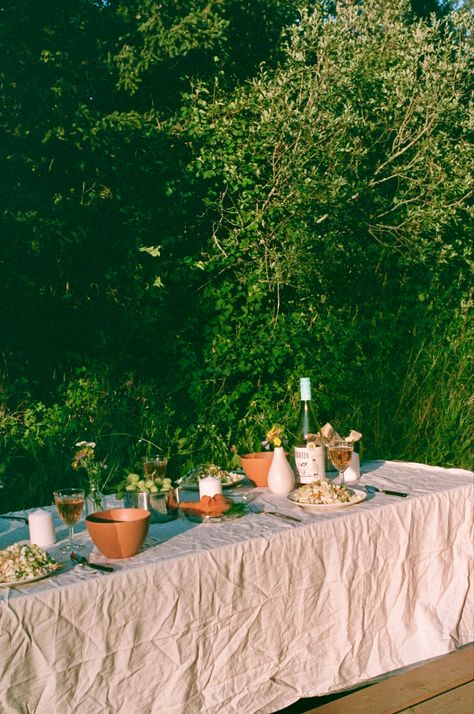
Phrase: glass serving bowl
(163,506)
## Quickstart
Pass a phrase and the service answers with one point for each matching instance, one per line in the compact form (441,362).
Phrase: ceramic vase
(281,479)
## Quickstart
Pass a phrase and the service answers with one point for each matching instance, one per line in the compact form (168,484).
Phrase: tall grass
(434,421)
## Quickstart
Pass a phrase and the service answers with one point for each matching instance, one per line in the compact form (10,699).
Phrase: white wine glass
(70,503)
(340,454)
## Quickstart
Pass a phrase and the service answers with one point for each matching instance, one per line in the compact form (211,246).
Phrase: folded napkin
(328,436)
(207,506)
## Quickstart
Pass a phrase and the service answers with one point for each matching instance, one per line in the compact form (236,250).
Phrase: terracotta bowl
(119,532)
(256,467)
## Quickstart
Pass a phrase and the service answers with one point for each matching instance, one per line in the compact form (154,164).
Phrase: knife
(15,518)
(283,516)
(76,558)
(370,489)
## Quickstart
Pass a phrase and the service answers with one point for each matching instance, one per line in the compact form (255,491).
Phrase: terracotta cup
(119,532)
(256,467)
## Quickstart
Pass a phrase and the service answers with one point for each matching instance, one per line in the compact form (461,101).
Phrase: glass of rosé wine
(340,454)
(70,502)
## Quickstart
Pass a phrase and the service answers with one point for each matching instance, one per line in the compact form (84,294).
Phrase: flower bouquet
(85,459)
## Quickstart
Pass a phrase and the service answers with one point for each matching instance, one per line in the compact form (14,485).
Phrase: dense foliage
(204,201)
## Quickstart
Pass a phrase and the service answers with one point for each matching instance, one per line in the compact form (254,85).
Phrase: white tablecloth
(250,615)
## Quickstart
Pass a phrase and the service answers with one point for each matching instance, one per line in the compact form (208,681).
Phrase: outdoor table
(252,614)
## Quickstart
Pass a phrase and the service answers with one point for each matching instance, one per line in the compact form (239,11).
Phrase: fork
(255,508)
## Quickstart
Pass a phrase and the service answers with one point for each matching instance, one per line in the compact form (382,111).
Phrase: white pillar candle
(209,486)
(352,473)
(41,527)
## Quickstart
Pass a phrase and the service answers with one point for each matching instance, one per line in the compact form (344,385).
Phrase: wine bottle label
(310,463)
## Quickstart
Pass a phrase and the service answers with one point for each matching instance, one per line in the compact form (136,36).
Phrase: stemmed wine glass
(70,502)
(155,468)
(340,454)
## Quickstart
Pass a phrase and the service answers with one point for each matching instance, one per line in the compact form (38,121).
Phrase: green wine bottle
(309,456)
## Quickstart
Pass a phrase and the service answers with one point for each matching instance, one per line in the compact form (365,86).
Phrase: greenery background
(204,201)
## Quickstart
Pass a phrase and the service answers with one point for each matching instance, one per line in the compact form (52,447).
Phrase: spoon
(76,558)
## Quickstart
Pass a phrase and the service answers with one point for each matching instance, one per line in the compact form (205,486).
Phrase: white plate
(196,518)
(358,493)
(239,478)
(31,580)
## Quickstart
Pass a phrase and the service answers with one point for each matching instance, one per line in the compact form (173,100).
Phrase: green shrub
(339,187)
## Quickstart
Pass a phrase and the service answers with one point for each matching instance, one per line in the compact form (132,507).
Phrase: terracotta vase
(281,479)
(256,467)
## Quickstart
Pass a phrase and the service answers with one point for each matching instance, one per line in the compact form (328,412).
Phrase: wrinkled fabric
(249,615)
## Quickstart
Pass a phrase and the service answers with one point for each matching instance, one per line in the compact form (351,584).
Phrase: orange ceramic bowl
(119,532)
(256,466)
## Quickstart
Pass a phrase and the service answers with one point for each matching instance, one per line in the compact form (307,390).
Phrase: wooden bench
(442,686)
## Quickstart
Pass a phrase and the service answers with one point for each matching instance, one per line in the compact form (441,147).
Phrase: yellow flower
(274,437)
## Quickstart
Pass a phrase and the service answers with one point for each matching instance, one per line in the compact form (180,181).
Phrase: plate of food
(229,479)
(23,563)
(213,509)
(326,496)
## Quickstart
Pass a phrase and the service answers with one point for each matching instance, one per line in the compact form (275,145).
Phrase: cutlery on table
(374,489)
(251,495)
(15,518)
(76,558)
(254,508)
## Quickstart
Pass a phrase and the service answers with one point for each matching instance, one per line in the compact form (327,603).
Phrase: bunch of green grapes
(133,483)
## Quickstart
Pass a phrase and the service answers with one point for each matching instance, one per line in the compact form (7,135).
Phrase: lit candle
(352,473)
(41,527)
(209,486)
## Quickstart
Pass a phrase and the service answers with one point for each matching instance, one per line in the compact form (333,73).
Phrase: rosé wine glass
(70,502)
(340,454)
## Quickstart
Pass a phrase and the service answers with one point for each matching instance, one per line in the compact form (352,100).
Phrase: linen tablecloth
(249,615)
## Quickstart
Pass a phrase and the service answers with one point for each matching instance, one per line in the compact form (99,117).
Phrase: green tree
(100,212)
(94,168)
